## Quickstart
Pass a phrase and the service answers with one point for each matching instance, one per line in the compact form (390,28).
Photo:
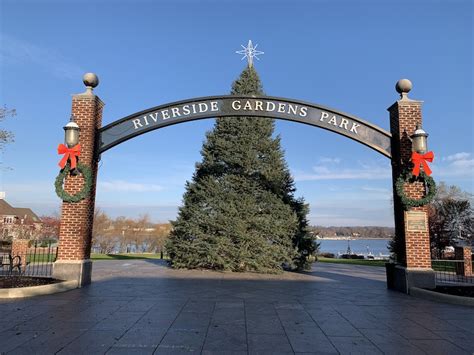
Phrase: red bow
(69,154)
(421,159)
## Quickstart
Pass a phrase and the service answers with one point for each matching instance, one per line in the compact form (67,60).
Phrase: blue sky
(342,54)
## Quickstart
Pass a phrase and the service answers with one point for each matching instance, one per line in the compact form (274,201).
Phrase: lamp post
(71,133)
(71,137)
(419,141)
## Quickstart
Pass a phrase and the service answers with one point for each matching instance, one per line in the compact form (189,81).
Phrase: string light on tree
(250,52)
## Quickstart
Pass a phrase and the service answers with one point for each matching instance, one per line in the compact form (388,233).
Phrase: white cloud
(351,212)
(463,164)
(14,51)
(366,172)
(322,170)
(328,169)
(28,187)
(158,213)
(376,189)
(458,165)
(125,186)
(457,156)
(330,160)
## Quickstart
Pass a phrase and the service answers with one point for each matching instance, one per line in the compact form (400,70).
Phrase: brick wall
(414,247)
(75,231)
(20,248)
(464,253)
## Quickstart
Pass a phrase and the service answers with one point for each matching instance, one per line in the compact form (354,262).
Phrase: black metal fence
(452,272)
(9,265)
(36,261)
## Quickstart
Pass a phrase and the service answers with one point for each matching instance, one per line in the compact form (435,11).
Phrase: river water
(358,246)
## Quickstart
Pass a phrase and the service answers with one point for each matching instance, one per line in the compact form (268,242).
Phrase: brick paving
(143,307)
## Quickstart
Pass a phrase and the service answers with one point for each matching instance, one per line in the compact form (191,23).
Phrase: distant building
(17,221)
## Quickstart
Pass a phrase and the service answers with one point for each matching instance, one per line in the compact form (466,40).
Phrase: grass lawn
(41,258)
(157,256)
(125,256)
(438,265)
(380,263)
(446,265)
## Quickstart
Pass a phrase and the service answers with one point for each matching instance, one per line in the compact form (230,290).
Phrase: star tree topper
(250,52)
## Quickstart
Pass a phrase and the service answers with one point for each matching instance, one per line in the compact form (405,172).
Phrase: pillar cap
(91,81)
(403,87)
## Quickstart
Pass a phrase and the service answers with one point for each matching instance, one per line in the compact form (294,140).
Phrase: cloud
(365,171)
(379,190)
(125,186)
(330,160)
(321,170)
(158,213)
(351,212)
(458,165)
(464,164)
(14,51)
(457,156)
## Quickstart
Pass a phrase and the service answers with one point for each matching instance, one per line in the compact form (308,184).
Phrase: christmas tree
(239,212)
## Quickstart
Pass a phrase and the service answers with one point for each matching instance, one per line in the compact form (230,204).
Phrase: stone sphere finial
(403,86)
(90,80)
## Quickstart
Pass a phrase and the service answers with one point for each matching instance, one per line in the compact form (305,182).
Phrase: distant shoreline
(351,238)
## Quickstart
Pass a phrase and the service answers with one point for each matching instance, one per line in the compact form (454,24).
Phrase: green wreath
(84,193)
(411,202)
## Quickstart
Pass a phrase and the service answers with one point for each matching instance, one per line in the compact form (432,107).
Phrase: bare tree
(128,234)
(141,227)
(6,136)
(102,232)
(159,237)
(50,227)
(121,225)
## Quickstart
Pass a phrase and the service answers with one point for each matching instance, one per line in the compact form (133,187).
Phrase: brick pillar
(463,253)
(75,231)
(412,239)
(20,248)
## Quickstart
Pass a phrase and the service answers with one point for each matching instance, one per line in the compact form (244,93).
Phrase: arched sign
(253,106)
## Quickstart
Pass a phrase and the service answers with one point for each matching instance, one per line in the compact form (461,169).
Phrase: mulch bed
(24,281)
(464,291)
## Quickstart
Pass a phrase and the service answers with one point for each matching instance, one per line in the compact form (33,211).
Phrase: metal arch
(250,106)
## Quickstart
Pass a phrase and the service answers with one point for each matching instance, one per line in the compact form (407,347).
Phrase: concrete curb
(441,297)
(32,291)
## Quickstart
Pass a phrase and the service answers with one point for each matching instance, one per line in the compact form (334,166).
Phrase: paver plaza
(144,307)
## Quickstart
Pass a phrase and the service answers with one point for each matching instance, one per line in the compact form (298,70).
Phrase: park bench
(10,262)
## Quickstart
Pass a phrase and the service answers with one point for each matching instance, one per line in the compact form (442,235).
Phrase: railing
(40,259)
(9,265)
(452,272)
(36,261)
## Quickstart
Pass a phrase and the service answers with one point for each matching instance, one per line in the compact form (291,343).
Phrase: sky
(342,54)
